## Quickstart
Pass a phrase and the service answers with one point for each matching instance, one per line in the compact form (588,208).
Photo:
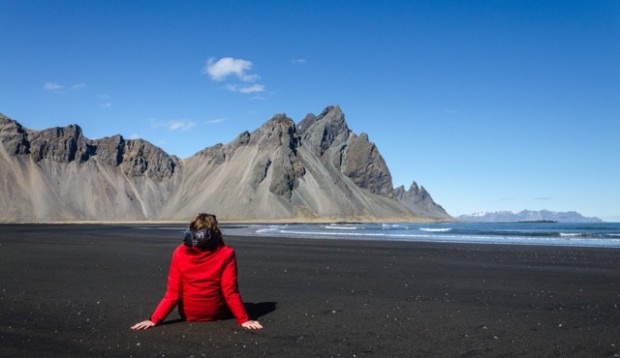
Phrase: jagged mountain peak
(418,200)
(13,136)
(326,130)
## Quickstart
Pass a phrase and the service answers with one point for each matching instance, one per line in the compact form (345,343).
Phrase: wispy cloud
(299,61)
(227,67)
(255,88)
(216,121)
(135,136)
(182,125)
(105,100)
(53,87)
(174,124)
(60,88)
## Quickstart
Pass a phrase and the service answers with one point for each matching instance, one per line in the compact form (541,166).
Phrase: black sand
(74,290)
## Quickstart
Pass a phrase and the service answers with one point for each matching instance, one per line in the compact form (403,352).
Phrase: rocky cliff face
(318,169)
(329,138)
(420,202)
(58,174)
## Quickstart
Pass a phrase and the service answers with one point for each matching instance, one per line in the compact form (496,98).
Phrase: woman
(202,280)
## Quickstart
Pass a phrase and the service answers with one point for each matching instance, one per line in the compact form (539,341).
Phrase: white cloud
(135,136)
(222,69)
(299,61)
(58,88)
(106,105)
(227,66)
(216,121)
(174,125)
(255,88)
(182,125)
(53,86)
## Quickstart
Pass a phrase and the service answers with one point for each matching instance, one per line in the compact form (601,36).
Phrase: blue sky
(490,105)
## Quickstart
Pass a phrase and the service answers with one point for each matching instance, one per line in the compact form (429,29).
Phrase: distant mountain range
(529,215)
(316,170)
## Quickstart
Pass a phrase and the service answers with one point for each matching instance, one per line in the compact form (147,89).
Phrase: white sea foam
(570,234)
(391,226)
(270,229)
(340,227)
(457,233)
(436,229)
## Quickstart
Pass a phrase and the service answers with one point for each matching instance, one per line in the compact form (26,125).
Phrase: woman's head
(203,232)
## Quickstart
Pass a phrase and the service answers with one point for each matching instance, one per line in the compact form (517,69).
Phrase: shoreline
(75,290)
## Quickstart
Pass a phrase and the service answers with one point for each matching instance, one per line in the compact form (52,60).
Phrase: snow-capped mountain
(528,215)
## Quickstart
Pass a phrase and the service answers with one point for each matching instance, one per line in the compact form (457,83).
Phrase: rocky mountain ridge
(316,170)
(529,215)
(420,202)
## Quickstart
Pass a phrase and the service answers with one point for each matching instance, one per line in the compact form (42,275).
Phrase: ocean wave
(572,234)
(456,233)
(391,226)
(340,227)
(436,229)
(270,229)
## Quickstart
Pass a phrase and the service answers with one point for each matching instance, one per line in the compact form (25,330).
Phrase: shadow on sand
(255,311)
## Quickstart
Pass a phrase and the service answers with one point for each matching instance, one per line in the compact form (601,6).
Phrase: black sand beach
(74,290)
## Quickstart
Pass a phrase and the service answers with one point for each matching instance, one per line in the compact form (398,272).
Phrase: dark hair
(203,232)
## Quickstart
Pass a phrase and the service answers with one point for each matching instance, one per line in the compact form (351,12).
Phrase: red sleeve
(173,292)
(231,291)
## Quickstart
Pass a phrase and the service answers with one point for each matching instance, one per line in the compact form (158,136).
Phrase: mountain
(529,215)
(316,170)
(58,174)
(420,202)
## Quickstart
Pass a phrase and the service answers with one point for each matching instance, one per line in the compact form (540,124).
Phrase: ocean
(538,233)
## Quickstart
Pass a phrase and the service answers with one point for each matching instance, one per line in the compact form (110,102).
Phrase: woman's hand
(252,325)
(143,325)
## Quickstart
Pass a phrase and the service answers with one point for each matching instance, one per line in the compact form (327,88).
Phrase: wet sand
(74,290)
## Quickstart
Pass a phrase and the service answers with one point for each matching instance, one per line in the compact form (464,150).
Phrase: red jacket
(204,285)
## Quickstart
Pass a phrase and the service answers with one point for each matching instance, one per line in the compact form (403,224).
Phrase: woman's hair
(203,232)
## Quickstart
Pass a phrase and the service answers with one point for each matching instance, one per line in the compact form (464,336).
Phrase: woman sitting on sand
(202,280)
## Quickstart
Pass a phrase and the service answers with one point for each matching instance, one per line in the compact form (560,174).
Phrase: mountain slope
(317,170)
(58,174)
